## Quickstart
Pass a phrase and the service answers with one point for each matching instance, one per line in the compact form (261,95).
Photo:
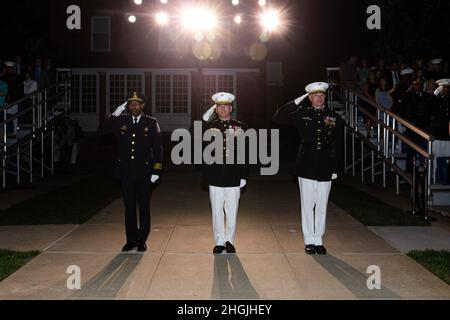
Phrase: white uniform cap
(406,71)
(436,61)
(317,87)
(10,64)
(223,98)
(220,98)
(443,82)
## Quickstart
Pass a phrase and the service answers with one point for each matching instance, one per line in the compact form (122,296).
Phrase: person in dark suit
(224,179)
(318,161)
(138,166)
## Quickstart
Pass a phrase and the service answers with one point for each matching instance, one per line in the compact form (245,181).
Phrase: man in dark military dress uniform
(440,129)
(441,111)
(138,166)
(318,161)
(224,180)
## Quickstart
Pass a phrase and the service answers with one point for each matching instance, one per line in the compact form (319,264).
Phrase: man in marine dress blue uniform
(224,180)
(318,160)
(138,166)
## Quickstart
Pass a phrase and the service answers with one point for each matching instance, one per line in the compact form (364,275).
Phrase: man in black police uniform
(138,166)
(318,161)
(224,180)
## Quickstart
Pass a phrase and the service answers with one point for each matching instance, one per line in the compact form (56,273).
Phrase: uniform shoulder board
(155,121)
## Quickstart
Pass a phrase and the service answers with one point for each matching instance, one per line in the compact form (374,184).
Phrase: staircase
(27,142)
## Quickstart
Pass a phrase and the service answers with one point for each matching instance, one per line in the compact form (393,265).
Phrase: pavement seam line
(284,253)
(62,237)
(159,262)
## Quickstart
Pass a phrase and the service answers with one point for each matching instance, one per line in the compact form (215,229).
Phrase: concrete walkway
(270,264)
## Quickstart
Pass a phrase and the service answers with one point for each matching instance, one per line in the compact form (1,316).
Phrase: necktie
(135,120)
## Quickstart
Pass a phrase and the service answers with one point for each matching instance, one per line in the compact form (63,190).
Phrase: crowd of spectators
(19,79)
(417,91)
(407,88)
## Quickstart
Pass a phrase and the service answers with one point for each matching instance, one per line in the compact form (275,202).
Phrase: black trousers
(137,192)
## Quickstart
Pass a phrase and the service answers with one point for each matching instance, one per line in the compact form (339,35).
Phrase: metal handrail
(41,111)
(387,126)
(30,96)
(395,116)
(21,113)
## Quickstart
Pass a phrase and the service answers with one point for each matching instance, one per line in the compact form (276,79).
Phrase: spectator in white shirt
(29,85)
(383,96)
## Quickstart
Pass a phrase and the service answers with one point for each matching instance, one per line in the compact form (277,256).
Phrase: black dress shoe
(142,247)
(218,249)
(321,250)
(230,248)
(310,249)
(129,246)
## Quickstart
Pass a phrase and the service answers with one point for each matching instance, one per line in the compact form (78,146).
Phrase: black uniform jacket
(226,175)
(140,148)
(322,134)
(441,118)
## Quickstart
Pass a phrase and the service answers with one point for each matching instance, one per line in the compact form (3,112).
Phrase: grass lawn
(369,210)
(72,204)
(437,262)
(10,261)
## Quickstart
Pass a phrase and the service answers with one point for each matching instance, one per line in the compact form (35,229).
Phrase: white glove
(334,176)
(207,115)
(243,183)
(438,90)
(120,109)
(300,100)
(154,178)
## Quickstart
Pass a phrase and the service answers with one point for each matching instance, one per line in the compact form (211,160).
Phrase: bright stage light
(132,19)
(270,20)
(238,19)
(162,18)
(138,2)
(163,1)
(199,19)
(262,3)
(235,2)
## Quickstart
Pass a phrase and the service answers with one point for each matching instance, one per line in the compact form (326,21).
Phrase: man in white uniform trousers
(318,161)
(225,180)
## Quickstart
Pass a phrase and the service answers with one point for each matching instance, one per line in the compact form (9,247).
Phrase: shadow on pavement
(230,279)
(352,279)
(108,282)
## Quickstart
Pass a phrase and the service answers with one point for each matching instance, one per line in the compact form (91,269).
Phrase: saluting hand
(154,178)
(300,99)
(120,109)
(243,183)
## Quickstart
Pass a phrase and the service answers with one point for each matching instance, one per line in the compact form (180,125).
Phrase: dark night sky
(322,33)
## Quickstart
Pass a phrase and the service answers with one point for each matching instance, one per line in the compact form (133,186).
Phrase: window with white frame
(121,86)
(84,93)
(180,94)
(100,33)
(89,93)
(213,83)
(75,92)
(171,93)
